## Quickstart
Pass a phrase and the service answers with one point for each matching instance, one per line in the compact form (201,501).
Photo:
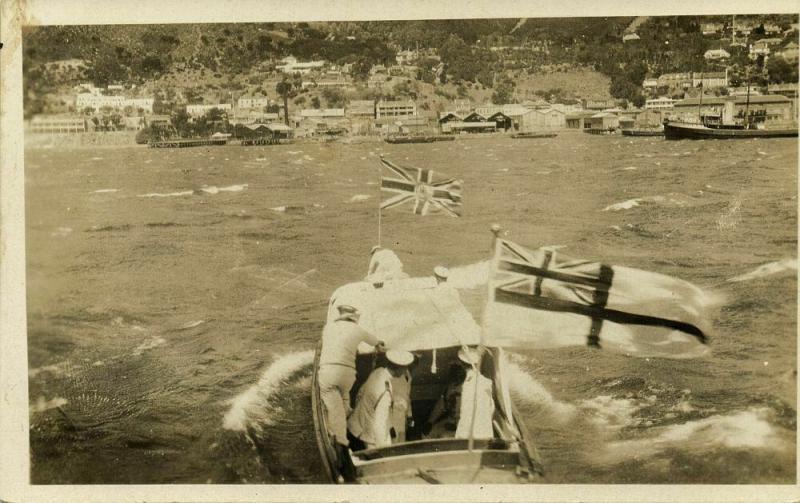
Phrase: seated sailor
(477,399)
(468,393)
(401,409)
(370,422)
(384,264)
(443,419)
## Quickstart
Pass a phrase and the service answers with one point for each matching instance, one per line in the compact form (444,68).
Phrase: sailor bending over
(337,370)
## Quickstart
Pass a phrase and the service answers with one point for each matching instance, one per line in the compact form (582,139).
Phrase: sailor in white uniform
(337,367)
(384,264)
(371,420)
(478,402)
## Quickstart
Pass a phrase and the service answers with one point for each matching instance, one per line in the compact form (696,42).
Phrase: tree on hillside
(780,70)
(334,98)
(503,91)
(286,89)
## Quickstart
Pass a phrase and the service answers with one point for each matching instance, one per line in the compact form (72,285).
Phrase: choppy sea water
(175,298)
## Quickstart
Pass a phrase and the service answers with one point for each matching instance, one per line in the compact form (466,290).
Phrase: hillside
(480,56)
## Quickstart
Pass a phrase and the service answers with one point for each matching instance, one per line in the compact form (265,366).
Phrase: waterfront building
(543,119)
(778,109)
(602,120)
(360,108)
(395,108)
(57,124)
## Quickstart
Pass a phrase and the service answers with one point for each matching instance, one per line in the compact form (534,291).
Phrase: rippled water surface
(175,298)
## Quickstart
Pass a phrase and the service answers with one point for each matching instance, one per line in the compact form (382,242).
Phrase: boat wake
(528,390)
(254,409)
(769,269)
(748,430)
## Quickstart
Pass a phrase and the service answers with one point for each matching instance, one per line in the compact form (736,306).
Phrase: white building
(145,104)
(201,110)
(661,103)
(292,65)
(98,101)
(395,108)
(650,83)
(405,57)
(254,102)
(716,55)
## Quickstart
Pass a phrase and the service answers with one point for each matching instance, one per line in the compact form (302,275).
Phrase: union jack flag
(428,191)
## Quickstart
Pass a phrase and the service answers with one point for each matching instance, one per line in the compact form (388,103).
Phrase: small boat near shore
(599,131)
(415,315)
(417,138)
(532,135)
(675,130)
(643,132)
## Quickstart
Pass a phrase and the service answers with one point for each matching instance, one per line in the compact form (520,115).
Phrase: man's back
(340,340)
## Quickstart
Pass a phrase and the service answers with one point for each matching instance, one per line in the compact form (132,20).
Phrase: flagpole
(471,443)
(380,180)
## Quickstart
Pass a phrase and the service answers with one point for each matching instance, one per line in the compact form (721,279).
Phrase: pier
(188,142)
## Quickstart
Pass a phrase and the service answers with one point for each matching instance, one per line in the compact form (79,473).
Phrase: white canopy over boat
(410,314)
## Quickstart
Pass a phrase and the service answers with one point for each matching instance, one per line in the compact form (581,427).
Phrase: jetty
(248,142)
(188,142)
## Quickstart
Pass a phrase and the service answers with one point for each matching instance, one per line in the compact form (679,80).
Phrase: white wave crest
(527,389)
(152,342)
(251,408)
(168,194)
(208,190)
(42,404)
(789,264)
(749,429)
(359,197)
(104,191)
(675,200)
(216,190)
(609,413)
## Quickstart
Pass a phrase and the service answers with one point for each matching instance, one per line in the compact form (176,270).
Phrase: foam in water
(748,429)
(359,197)
(104,191)
(216,190)
(609,413)
(624,205)
(168,194)
(251,408)
(42,404)
(61,232)
(527,389)
(789,264)
(152,342)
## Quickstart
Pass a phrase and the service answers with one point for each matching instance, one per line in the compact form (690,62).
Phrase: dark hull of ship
(681,131)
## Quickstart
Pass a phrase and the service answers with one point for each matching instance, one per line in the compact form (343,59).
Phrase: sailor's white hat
(469,355)
(441,271)
(399,357)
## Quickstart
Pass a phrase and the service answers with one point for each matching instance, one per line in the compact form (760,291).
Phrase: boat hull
(432,461)
(642,132)
(681,131)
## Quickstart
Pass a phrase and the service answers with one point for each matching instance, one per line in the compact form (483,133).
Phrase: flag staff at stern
(429,191)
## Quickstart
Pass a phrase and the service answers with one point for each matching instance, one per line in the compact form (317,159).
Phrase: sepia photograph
(465,250)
